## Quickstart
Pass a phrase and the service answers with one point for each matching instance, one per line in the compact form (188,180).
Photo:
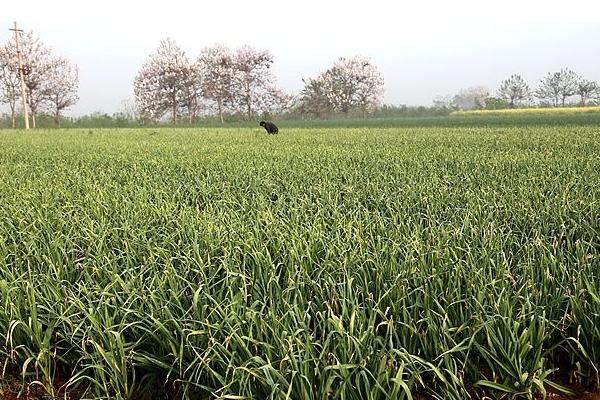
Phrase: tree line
(170,86)
(556,89)
(51,81)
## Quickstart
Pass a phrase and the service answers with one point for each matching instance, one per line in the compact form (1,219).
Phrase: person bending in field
(270,127)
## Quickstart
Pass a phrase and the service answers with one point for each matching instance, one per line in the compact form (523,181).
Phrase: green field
(521,112)
(342,263)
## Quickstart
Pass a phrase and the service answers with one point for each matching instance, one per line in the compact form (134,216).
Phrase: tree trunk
(57,117)
(249,107)
(192,110)
(13,116)
(174,109)
(248,101)
(32,119)
(220,107)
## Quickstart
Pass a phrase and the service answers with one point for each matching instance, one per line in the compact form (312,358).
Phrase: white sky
(424,48)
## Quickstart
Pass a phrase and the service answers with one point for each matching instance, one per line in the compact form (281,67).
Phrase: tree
(36,64)
(162,85)
(50,82)
(191,91)
(353,83)
(254,80)
(470,98)
(496,103)
(558,87)
(514,90)
(314,99)
(127,111)
(587,90)
(10,84)
(275,100)
(443,103)
(217,68)
(370,87)
(61,87)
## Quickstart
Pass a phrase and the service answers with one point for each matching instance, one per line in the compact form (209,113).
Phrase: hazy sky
(423,48)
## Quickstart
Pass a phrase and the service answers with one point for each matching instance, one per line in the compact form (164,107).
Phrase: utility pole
(21,74)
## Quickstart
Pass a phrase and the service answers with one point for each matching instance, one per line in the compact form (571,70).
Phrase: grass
(351,263)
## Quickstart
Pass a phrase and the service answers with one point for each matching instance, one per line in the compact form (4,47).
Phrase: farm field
(343,263)
(521,112)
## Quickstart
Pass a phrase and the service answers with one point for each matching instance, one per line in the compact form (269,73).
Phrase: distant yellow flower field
(517,111)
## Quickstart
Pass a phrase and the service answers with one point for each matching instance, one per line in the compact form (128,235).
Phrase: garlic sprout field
(342,263)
